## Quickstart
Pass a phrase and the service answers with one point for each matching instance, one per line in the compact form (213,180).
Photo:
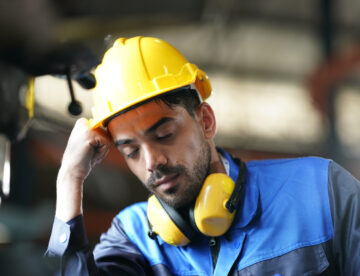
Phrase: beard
(192,182)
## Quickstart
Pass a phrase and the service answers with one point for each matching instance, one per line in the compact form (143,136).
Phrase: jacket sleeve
(114,255)
(344,196)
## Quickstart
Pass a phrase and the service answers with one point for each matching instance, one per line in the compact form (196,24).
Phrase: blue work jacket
(297,217)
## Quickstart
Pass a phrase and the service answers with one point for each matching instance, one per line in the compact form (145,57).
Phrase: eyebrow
(123,142)
(147,132)
(157,124)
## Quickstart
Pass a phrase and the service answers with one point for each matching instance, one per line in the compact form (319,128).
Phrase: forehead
(142,117)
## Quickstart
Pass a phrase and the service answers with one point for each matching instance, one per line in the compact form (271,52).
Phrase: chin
(176,201)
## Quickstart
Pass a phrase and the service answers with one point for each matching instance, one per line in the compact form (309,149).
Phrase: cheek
(189,149)
(138,169)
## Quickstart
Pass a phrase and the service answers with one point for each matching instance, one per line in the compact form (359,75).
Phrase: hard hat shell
(137,69)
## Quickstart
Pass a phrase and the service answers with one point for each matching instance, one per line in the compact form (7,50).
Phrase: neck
(216,165)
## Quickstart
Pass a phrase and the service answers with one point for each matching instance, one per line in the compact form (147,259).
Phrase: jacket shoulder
(310,161)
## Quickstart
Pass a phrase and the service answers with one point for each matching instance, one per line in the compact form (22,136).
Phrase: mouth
(167,182)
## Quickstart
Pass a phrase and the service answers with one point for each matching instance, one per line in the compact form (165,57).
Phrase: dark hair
(184,96)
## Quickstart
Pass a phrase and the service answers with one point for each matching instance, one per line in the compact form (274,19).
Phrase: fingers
(100,154)
(86,147)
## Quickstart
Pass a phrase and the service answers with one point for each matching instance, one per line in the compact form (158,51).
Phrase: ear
(206,118)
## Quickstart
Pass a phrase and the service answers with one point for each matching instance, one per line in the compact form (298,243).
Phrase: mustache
(161,172)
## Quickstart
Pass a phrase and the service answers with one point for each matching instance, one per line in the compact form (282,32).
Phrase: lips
(167,182)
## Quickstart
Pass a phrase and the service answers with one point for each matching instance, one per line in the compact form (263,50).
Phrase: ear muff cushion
(211,216)
(168,223)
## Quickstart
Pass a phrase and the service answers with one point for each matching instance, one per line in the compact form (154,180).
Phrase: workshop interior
(285,77)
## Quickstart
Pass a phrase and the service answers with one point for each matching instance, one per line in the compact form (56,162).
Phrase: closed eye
(164,137)
(132,154)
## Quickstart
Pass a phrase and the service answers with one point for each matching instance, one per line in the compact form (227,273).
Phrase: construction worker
(208,213)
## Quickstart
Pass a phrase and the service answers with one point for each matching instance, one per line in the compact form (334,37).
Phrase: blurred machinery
(17,97)
(16,111)
(266,40)
(29,49)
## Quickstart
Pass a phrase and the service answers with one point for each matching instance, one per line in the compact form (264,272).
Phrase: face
(166,148)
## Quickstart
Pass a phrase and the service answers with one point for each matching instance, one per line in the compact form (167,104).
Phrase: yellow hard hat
(136,69)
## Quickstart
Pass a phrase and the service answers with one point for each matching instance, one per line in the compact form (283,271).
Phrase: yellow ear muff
(163,225)
(211,215)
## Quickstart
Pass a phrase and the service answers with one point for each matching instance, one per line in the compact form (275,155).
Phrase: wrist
(70,175)
(69,193)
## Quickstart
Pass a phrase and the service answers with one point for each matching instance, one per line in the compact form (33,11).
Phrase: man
(209,214)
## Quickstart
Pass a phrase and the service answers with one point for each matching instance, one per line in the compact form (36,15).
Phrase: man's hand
(86,148)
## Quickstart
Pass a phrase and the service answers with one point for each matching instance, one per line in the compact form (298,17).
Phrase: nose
(154,158)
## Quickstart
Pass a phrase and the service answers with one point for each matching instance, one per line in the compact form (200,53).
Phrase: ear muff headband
(234,199)
(183,226)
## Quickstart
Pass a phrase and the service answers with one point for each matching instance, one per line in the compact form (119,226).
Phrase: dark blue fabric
(67,236)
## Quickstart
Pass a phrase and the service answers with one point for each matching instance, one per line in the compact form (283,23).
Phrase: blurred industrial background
(285,83)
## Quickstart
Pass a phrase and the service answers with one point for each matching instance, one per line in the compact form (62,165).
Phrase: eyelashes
(164,137)
(132,154)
